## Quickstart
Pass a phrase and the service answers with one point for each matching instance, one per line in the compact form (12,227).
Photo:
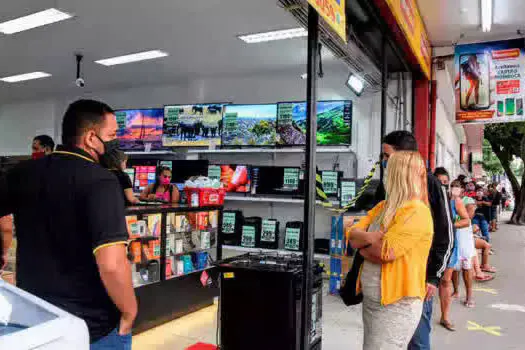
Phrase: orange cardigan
(410,237)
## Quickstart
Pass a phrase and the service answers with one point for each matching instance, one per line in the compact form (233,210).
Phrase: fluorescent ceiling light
(486,15)
(24,77)
(134,57)
(355,84)
(275,35)
(34,20)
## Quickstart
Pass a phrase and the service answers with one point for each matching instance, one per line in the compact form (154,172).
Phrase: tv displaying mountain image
(139,126)
(192,125)
(249,125)
(334,123)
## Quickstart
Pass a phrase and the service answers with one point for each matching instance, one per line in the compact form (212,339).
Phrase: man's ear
(90,139)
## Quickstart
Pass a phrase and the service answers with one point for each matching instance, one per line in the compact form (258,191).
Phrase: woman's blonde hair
(406,180)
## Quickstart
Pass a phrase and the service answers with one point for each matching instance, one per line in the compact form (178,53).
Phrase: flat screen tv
(184,169)
(139,126)
(234,178)
(249,125)
(334,123)
(277,180)
(192,125)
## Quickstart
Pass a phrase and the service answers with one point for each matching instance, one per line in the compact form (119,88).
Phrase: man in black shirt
(71,227)
(442,242)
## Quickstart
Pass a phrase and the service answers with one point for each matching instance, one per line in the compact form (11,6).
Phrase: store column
(421,115)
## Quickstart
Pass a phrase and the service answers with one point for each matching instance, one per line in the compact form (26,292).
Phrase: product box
(339,236)
(333,236)
(335,266)
(131,223)
(205,240)
(334,285)
(168,268)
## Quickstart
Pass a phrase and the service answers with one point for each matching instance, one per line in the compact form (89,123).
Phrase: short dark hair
(80,116)
(441,171)
(45,141)
(401,140)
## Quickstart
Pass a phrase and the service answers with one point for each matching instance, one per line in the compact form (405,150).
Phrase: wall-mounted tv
(234,178)
(277,180)
(139,126)
(192,125)
(249,125)
(334,123)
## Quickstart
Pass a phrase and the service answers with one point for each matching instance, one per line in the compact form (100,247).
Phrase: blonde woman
(395,240)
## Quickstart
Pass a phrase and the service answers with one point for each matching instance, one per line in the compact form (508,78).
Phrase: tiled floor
(342,326)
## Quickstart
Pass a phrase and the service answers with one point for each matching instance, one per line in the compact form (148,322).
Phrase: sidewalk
(499,303)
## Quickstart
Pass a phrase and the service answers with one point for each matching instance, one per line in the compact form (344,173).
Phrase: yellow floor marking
(473,326)
(486,290)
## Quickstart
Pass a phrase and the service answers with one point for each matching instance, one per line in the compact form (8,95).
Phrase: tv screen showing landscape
(249,125)
(192,125)
(139,126)
(334,123)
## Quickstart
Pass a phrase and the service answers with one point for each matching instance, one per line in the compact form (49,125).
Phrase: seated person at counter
(117,162)
(162,189)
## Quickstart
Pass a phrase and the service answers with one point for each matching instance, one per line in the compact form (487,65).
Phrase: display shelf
(192,251)
(263,250)
(271,199)
(190,273)
(145,238)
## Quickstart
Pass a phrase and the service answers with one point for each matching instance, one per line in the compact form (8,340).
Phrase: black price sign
(228,223)
(214,172)
(329,179)
(291,240)
(348,191)
(230,122)
(268,231)
(291,178)
(248,237)
(121,120)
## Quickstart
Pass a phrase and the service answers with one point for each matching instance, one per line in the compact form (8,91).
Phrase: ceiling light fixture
(134,57)
(34,20)
(24,77)
(274,35)
(355,84)
(486,15)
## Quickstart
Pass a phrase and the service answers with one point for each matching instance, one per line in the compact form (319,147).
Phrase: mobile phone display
(475,81)
(519,106)
(501,108)
(510,106)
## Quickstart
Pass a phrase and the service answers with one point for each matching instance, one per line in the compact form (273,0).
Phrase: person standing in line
(43,145)
(70,221)
(443,232)
(496,202)
(117,162)
(395,238)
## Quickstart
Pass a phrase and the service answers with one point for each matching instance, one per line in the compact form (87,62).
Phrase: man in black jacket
(442,242)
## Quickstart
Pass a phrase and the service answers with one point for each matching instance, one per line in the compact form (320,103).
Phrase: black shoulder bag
(348,289)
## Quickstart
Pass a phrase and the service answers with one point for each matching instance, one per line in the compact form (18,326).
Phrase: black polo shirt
(65,207)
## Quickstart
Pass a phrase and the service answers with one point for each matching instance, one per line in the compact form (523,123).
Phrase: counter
(171,249)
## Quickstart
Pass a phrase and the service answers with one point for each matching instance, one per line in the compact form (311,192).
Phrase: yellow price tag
(229,275)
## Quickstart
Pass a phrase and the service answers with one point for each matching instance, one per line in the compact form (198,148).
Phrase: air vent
(357,61)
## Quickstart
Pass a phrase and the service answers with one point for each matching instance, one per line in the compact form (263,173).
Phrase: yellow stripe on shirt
(109,245)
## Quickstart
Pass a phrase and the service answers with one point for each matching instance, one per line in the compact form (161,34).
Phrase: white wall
(20,123)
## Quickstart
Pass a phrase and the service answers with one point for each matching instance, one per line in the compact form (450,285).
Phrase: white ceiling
(448,20)
(200,36)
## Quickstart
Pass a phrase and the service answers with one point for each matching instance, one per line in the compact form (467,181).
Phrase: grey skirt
(389,327)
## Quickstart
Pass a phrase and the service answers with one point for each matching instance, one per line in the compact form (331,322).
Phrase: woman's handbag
(348,289)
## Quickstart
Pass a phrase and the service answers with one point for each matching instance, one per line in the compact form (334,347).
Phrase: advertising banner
(489,83)
(333,12)
(409,20)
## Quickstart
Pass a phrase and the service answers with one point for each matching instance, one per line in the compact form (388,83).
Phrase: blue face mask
(384,163)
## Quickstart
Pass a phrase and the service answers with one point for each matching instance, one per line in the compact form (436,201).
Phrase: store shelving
(270,251)
(342,149)
(189,273)
(271,199)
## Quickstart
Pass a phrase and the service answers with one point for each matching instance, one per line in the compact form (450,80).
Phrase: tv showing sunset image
(137,127)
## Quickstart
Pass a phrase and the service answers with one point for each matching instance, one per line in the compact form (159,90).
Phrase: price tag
(230,122)
(291,240)
(228,223)
(268,231)
(214,172)
(291,178)
(166,164)
(285,114)
(329,179)
(248,237)
(348,191)
(171,116)
(121,120)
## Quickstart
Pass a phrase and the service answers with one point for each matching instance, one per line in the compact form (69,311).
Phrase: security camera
(80,82)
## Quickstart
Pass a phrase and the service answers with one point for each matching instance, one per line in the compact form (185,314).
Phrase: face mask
(38,155)
(165,180)
(109,148)
(384,163)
